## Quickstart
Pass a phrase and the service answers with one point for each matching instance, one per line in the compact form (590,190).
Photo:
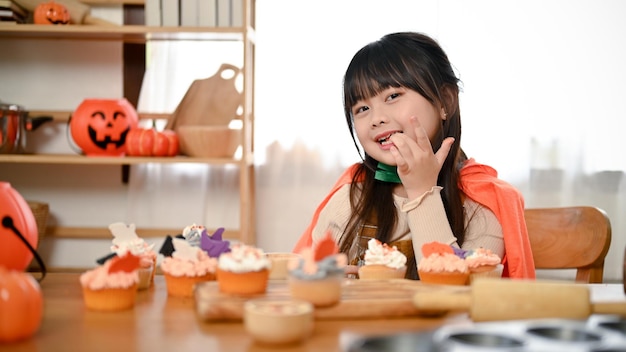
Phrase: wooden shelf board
(64,116)
(126,33)
(108,160)
(113,2)
(105,233)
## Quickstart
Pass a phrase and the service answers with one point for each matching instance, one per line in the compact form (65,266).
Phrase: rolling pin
(506,299)
(79,12)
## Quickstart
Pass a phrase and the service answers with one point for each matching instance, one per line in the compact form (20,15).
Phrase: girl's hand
(418,165)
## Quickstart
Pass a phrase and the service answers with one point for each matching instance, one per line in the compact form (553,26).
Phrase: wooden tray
(360,299)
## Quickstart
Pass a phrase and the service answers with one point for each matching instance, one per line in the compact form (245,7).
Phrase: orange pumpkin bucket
(99,126)
(50,12)
(21,304)
(16,215)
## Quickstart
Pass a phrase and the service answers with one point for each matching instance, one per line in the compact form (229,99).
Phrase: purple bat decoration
(459,252)
(213,245)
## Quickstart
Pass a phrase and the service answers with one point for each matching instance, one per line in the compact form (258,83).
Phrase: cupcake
(187,266)
(125,240)
(244,270)
(113,285)
(483,262)
(382,262)
(317,276)
(441,265)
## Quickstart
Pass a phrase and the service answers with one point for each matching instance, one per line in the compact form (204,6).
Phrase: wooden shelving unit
(143,34)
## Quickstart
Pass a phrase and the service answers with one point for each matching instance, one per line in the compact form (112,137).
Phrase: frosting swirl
(443,262)
(382,254)
(480,257)
(99,278)
(243,258)
(188,260)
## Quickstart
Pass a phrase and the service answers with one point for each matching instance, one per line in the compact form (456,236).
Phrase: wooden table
(162,323)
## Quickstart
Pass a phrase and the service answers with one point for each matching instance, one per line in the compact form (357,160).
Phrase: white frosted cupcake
(243,270)
(382,262)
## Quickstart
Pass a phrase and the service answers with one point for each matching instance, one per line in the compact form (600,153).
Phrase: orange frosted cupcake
(187,266)
(125,240)
(111,286)
(243,270)
(318,275)
(440,265)
(382,262)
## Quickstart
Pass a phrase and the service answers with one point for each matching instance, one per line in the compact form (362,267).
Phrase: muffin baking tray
(596,334)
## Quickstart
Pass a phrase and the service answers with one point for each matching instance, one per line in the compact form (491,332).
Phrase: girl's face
(389,112)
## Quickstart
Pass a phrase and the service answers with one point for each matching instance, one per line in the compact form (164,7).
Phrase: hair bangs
(372,72)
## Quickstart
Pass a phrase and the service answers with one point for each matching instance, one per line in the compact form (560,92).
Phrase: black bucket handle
(7,222)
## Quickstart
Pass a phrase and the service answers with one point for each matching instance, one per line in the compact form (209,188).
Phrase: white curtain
(542,82)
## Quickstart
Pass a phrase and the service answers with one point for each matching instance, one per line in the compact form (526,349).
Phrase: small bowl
(280,262)
(278,322)
(208,141)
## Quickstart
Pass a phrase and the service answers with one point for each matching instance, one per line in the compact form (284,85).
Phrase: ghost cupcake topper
(125,239)
(184,251)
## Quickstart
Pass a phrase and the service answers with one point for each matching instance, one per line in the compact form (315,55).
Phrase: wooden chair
(575,237)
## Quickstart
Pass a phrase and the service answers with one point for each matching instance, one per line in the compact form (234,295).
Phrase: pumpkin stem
(7,222)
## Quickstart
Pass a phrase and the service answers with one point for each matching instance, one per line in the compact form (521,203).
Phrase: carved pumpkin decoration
(51,12)
(21,305)
(150,142)
(13,253)
(100,126)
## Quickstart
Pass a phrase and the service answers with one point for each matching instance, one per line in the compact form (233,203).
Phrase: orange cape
(480,183)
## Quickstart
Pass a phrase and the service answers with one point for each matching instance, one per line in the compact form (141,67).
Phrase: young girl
(415,184)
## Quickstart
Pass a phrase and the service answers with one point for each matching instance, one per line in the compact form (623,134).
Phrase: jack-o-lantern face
(100,126)
(51,12)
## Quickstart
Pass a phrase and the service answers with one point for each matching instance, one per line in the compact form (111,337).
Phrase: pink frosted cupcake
(187,266)
(440,265)
(483,263)
(382,262)
(111,286)
(125,240)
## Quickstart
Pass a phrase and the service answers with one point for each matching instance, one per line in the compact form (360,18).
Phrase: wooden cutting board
(360,299)
(213,101)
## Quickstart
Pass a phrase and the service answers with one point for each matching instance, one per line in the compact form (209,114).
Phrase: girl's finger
(421,137)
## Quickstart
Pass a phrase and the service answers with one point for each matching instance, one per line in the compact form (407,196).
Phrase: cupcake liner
(110,299)
(145,278)
(444,278)
(494,271)
(183,286)
(323,292)
(380,272)
(243,283)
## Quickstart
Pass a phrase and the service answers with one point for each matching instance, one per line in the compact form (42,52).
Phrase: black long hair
(417,62)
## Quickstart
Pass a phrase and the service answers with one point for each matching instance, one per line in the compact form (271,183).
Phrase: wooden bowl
(208,141)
